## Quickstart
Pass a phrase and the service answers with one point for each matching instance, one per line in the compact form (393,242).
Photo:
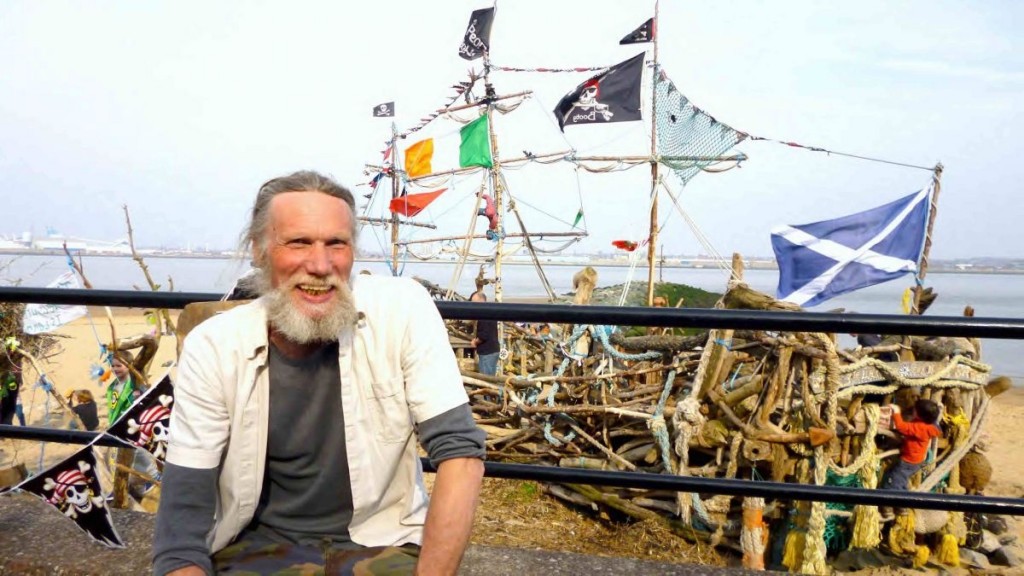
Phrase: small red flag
(412,204)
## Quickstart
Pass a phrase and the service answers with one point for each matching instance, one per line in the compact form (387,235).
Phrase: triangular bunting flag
(147,423)
(412,204)
(645,33)
(822,260)
(417,158)
(478,34)
(475,149)
(579,216)
(612,96)
(73,488)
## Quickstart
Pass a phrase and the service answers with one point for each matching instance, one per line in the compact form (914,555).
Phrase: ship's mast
(496,184)
(652,239)
(394,194)
(922,268)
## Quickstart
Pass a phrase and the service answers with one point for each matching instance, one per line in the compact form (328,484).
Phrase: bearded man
(293,437)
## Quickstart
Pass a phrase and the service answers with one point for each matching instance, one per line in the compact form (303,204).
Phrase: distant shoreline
(756,265)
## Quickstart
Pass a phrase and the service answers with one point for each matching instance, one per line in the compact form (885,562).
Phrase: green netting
(688,138)
(837,529)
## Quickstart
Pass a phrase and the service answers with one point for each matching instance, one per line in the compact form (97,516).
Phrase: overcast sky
(181,109)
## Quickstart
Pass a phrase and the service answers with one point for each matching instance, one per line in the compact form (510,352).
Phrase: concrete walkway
(35,540)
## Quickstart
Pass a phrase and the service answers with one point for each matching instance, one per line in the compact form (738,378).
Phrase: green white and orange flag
(474,150)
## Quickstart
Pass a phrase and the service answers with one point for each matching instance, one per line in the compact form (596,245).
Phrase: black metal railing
(636,316)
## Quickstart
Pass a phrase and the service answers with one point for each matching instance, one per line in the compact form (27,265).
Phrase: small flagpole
(394,194)
(652,239)
(922,266)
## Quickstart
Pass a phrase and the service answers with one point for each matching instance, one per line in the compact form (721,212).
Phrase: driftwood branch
(145,269)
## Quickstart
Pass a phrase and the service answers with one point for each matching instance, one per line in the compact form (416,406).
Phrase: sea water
(991,295)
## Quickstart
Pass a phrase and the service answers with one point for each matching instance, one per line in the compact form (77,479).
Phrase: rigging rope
(834,153)
(541,69)
(457,273)
(526,240)
(698,233)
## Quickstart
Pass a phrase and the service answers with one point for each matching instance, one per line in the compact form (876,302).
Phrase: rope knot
(657,425)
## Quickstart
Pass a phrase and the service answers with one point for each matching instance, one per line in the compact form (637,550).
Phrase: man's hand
(188,571)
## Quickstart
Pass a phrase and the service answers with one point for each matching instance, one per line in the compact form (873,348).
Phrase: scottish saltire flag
(825,259)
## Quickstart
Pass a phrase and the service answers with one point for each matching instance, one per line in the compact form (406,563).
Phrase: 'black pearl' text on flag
(478,34)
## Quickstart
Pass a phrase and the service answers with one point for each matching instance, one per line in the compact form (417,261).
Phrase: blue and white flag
(821,260)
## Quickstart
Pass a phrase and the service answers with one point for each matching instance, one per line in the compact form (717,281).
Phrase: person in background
(917,434)
(10,386)
(85,407)
(19,411)
(872,340)
(293,439)
(121,392)
(486,341)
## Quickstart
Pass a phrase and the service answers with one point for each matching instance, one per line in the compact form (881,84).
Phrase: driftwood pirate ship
(786,407)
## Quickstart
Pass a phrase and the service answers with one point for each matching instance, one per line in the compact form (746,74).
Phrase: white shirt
(397,368)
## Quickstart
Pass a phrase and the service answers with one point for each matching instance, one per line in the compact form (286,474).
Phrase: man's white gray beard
(285,317)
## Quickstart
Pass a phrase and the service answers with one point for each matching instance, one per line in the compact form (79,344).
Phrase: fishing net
(685,130)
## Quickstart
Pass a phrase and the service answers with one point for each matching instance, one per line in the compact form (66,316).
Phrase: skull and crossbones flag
(73,488)
(145,425)
(385,110)
(611,96)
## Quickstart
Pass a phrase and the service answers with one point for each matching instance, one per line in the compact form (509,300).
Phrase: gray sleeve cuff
(452,434)
(188,502)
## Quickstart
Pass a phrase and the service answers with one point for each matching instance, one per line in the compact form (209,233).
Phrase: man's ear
(259,254)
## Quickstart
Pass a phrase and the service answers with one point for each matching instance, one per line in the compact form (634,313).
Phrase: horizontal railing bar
(1009,328)
(775,490)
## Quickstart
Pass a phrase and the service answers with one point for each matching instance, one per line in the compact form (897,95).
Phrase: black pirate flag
(645,33)
(611,96)
(146,424)
(478,34)
(385,110)
(73,488)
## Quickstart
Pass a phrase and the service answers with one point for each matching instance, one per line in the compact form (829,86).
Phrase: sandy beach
(79,343)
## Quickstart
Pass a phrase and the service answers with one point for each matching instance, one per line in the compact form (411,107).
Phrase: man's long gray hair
(255,233)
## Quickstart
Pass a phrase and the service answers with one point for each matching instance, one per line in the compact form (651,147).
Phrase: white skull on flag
(71,492)
(153,427)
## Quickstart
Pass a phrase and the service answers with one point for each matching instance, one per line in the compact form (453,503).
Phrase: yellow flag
(417,158)
(908,298)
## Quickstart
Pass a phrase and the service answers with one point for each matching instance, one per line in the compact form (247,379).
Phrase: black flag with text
(645,33)
(478,34)
(611,96)
(384,110)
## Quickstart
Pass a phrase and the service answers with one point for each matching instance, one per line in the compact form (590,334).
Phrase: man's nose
(318,263)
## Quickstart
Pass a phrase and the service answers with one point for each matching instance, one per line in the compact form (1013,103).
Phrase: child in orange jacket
(917,435)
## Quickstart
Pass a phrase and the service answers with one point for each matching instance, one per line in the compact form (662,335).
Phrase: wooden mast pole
(496,185)
(394,194)
(652,239)
(922,268)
